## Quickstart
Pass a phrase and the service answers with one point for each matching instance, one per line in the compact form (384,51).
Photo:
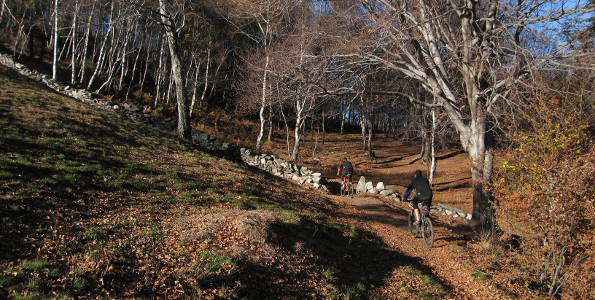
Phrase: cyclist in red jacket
(345,170)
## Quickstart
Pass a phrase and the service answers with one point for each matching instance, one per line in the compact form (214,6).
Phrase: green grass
(430,286)
(478,275)
(34,265)
(410,271)
(330,274)
(289,216)
(96,233)
(154,233)
(212,262)
(79,284)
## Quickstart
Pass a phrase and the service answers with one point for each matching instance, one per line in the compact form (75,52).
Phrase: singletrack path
(446,259)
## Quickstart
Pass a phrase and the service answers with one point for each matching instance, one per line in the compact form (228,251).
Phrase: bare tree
(462,53)
(302,72)
(268,17)
(184,129)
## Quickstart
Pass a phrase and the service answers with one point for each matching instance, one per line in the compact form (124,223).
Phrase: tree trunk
(206,85)
(55,62)
(263,104)
(370,134)
(102,51)
(343,113)
(344,110)
(362,123)
(159,71)
(370,122)
(124,64)
(299,122)
(73,58)
(270,134)
(193,100)
(433,156)
(315,150)
(323,127)
(2,10)
(169,85)
(142,79)
(286,129)
(478,158)
(86,44)
(18,38)
(425,154)
(133,71)
(114,61)
(184,130)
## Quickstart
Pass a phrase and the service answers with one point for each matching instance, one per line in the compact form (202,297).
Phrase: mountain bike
(347,187)
(426,229)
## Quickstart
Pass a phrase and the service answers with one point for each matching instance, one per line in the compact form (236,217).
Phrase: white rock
(361,185)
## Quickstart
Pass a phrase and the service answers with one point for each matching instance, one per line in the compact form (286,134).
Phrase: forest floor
(93,205)
(462,258)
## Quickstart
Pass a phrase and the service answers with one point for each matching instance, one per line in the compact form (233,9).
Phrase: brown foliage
(545,192)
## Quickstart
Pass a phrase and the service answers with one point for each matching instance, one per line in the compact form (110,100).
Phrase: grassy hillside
(95,205)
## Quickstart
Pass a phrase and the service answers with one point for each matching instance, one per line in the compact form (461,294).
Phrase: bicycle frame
(426,228)
(424,211)
(346,187)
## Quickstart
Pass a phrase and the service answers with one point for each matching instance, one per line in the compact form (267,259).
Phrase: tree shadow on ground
(334,188)
(348,258)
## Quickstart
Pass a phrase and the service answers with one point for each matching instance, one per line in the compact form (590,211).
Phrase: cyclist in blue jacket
(423,192)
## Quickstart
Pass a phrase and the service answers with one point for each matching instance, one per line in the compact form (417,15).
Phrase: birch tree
(83,57)
(104,46)
(55,39)
(74,42)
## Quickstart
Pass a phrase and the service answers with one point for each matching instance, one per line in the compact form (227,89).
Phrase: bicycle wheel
(342,189)
(412,226)
(428,232)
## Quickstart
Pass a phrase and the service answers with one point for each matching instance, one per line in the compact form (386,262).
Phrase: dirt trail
(445,259)
(457,252)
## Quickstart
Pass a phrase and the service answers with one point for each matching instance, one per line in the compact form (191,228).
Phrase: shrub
(545,187)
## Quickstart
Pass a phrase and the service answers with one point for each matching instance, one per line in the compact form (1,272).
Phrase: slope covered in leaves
(94,205)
